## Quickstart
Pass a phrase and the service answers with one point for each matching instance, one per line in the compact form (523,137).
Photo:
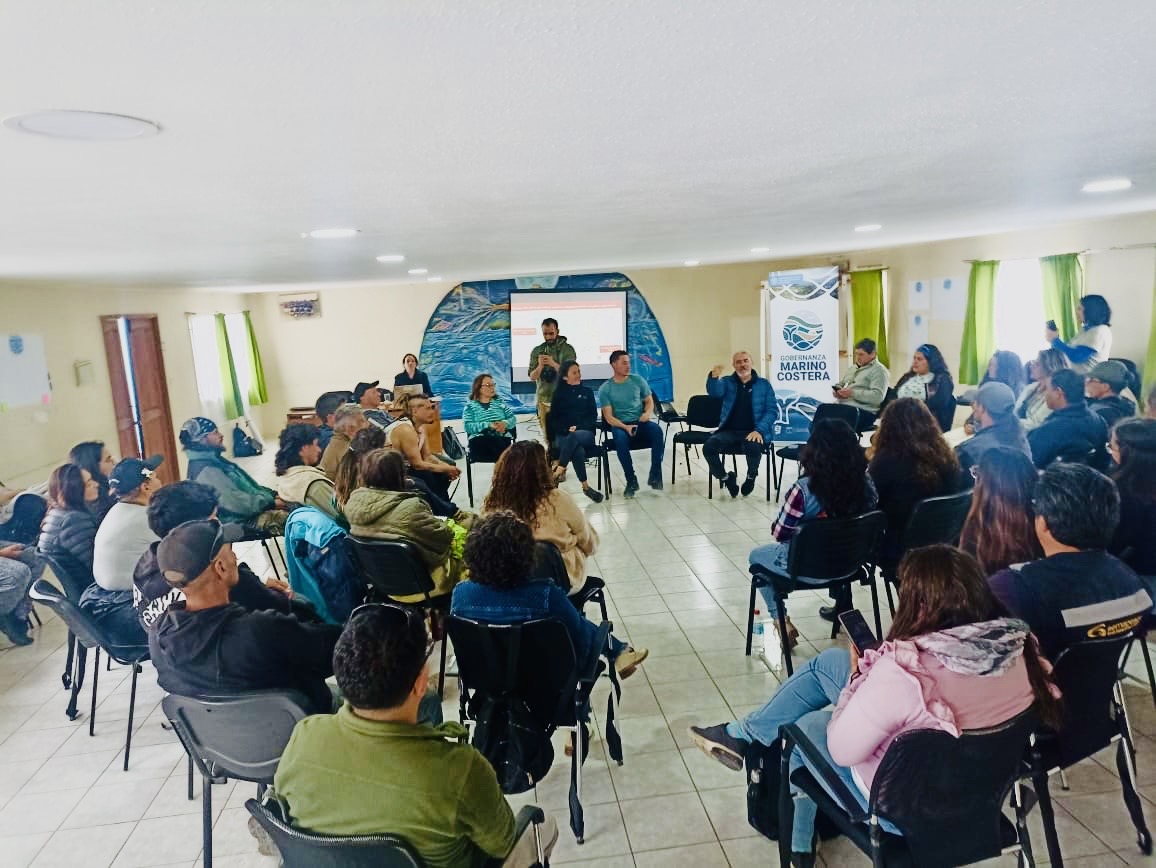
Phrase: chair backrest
(87,631)
(72,580)
(831,548)
(301,849)
(548,564)
(703,411)
(667,412)
(236,735)
(937,520)
(946,793)
(534,661)
(846,412)
(1086,674)
(392,567)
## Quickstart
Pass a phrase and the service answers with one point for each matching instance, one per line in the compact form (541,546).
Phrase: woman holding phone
(953,660)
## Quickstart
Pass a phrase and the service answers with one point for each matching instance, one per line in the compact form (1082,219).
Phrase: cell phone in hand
(858,632)
(1052,325)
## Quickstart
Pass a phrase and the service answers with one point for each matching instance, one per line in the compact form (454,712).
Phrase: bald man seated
(748,416)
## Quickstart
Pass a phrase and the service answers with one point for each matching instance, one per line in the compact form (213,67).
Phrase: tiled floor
(675,565)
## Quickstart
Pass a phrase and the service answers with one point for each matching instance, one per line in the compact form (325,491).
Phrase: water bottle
(758,632)
(772,647)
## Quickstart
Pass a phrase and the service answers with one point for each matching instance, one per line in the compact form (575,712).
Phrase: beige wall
(363,331)
(37,439)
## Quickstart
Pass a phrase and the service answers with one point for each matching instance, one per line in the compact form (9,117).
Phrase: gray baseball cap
(189,548)
(997,398)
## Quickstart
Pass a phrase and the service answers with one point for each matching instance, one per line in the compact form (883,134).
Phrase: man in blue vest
(748,416)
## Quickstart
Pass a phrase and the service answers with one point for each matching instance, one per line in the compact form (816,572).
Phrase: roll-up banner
(801,344)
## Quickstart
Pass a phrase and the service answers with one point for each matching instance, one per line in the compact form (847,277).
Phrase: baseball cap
(997,398)
(361,388)
(1112,373)
(189,548)
(130,473)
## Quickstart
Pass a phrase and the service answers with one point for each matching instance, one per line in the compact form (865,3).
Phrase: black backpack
(451,445)
(514,742)
(764,773)
(245,446)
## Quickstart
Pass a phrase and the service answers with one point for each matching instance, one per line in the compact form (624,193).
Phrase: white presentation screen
(594,323)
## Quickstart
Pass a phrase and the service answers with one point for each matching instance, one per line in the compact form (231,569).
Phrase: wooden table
(433,431)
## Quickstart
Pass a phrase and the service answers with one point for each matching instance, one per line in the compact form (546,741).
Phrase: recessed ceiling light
(690,263)
(435,279)
(391,257)
(419,271)
(760,250)
(869,227)
(83,125)
(1108,185)
(331,233)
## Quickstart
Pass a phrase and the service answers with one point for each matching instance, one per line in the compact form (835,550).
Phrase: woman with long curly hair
(348,474)
(911,462)
(299,479)
(523,485)
(930,381)
(1000,530)
(833,483)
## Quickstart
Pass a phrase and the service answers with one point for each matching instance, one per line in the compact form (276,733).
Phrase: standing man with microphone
(545,360)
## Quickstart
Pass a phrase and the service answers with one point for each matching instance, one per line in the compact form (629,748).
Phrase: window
(207,360)
(1019,308)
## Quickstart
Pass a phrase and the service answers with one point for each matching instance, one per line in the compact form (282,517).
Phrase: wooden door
(146,378)
(126,423)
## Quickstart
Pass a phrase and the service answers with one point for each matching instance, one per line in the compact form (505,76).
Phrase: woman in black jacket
(69,528)
(93,457)
(570,425)
(930,381)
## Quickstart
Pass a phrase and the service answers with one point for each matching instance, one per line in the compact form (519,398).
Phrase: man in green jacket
(545,360)
(865,385)
(372,768)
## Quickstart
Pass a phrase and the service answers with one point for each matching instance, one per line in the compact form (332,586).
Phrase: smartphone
(858,631)
(1052,325)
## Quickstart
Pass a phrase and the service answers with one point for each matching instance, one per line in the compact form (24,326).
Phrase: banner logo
(803,330)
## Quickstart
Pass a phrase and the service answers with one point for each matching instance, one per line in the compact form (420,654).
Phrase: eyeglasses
(410,615)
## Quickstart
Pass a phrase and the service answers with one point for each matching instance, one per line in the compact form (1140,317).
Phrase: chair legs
(265,544)
(207,821)
(470,481)
(95,679)
(1143,640)
(77,680)
(136,670)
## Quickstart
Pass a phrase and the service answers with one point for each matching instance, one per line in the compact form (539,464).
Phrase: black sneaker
(655,481)
(593,494)
(15,628)
(748,486)
(802,860)
(720,745)
(631,488)
(731,485)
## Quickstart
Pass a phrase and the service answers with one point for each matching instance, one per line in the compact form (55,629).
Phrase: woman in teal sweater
(489,423)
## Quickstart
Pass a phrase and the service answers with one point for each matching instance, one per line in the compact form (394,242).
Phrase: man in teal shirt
(628,408)
(372,768)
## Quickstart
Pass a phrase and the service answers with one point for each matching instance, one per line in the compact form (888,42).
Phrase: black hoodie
(227,649)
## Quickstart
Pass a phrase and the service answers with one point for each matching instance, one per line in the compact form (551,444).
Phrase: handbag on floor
(763,779)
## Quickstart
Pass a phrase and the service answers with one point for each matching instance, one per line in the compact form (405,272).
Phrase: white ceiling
(505,137)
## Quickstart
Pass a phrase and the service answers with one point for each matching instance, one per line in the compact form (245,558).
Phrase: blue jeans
(648,434)
(773,557)
(803,699)
(572,450)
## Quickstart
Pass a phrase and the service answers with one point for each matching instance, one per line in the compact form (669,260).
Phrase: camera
(549,375)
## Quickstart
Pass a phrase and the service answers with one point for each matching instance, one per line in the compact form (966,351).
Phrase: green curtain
(979,324)
(867,316)
(1063,278)
(230,388)
(257,392)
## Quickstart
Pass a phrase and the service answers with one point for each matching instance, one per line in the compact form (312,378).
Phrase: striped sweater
(477,418)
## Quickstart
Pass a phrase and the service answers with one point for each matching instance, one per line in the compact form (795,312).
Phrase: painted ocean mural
(469,333)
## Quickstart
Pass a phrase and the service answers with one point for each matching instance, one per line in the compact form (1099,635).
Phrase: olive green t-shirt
(560,351)
(345,775)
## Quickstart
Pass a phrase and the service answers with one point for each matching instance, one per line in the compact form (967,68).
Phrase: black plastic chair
(669,415)
(837,551)
(1095,717)
(945,793)
(395,568)
(268,541)
(301,849)
(548,564)
(933,520)
(235,735)
(702,412)
(846,412)
(71,579)
(605,448)
(471,461)
(535,662)
(91,635)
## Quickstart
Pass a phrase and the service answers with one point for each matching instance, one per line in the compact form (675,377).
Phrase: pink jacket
(901,688)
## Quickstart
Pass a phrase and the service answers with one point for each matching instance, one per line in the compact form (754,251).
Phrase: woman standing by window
(1094,342)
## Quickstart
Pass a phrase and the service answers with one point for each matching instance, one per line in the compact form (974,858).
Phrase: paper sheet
(919,294)
(949,298)
(917,330)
